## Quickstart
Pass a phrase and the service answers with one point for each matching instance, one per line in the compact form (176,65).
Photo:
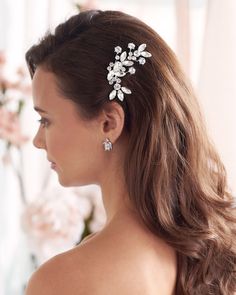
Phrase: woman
(117,111)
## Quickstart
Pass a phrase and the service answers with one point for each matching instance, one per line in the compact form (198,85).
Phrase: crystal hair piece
(122,65)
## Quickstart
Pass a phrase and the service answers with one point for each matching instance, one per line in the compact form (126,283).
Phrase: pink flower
(10,127)
(89,4)
(6,158)
(2,65)
(93,192)
(17,80)
(21,83)
(55,222)
(2,58)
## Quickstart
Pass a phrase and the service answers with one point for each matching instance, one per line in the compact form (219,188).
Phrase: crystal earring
(107,145)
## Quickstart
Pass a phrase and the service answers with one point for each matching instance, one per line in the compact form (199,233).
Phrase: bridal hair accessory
(107,145)
(124,64)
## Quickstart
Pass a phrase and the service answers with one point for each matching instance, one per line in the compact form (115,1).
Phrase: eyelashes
(43,122)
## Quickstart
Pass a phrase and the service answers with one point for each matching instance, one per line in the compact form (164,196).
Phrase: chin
(65,182)
(72,183)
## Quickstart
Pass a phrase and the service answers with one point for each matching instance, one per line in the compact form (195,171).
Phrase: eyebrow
(37,109)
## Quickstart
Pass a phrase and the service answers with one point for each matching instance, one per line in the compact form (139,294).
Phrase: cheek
(73,145)
(85,150)
(77,152)
(57,143)
(80,164)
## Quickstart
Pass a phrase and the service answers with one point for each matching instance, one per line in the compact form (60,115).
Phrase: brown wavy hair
(175,178)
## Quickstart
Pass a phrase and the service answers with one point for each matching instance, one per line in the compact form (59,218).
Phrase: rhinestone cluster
(124,64)
(107,145)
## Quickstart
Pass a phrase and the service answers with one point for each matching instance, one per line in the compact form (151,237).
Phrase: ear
(112,121)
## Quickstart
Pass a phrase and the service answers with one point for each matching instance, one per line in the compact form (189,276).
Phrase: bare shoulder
(102,262)
(133,263)
(41,281)
(56,276)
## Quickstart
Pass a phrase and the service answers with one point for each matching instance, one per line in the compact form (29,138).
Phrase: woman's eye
(44,122)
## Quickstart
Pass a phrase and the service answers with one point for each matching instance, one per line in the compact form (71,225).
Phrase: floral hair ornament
(124,64)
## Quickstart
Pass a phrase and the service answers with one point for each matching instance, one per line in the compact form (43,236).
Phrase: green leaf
(20,106)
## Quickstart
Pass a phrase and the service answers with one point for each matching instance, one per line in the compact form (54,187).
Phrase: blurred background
(38,217)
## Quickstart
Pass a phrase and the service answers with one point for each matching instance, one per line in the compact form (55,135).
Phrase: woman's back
(118,260)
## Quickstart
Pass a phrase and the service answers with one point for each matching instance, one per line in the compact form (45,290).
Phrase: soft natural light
(208,58)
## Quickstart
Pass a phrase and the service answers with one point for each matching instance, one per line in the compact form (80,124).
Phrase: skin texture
(124,257)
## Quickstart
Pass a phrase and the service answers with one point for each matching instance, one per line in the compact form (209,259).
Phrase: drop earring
(107,145)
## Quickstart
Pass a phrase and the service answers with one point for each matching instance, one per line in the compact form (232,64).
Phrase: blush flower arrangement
(14,93)
(60,218)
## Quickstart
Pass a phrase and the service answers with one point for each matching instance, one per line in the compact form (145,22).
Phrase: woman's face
(71,143)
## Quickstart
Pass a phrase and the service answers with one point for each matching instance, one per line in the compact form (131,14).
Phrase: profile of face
(74,145)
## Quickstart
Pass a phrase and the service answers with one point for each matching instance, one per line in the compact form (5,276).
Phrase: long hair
(175,178)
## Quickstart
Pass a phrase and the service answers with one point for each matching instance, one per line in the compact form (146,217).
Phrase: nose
(39,141)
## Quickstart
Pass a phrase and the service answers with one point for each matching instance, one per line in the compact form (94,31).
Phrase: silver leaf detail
(112,95)
(146,54)
(110,75)
(141,47)
(126,90)
(122,65)
(120,95)
(123,56)
(127,63)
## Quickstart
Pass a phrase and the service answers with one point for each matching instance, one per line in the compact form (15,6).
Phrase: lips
(53,164)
